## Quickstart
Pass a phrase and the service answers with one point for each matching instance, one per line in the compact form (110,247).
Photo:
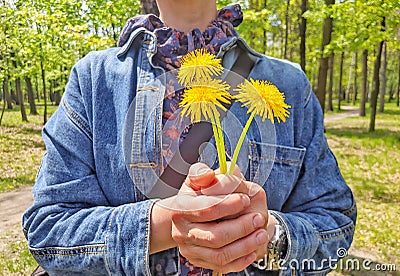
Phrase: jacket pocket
(276,168)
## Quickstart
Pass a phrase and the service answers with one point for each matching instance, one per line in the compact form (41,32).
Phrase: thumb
(200,176)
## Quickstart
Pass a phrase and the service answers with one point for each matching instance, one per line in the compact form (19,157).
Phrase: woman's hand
(216,232)
(237,184)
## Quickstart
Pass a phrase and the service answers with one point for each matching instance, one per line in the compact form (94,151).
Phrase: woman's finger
(220,234)
(200,176)
(232,257)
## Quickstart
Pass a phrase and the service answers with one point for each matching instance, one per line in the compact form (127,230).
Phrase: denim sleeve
(320,214)
(72,229)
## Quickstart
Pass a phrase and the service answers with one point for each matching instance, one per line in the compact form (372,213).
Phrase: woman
(89,217)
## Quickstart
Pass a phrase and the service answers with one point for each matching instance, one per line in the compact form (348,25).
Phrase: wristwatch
(276,251)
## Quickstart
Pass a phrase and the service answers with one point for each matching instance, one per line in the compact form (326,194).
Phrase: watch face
(276,250)
(282,245)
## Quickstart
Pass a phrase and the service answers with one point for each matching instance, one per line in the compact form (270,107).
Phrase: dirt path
(351,111)
(12,206)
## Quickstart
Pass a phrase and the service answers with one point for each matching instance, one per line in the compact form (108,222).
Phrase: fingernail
(202,170)
(245,200)
(261,238)
(199,169)
(258,221)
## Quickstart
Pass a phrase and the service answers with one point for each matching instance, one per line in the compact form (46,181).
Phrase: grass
(21,148)
(15,257)
(370,163)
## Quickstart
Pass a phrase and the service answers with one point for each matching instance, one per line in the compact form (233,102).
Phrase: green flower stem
(240,142)
(222,165)
(219,142)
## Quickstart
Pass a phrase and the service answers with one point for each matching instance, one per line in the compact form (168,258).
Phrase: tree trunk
(31,97)
(56,95)
(302,30)
(37,87)
(375,91)
(398,85)
(285,56)
(51,88)
(7,95)
(21,99)
(44,92)
(355,95)
(19,95)
(330,87)
(340,91)
(391,93)
(14,96)
(364,82)
(323,63)
(149,6)
(350,86)
(282,42)
(383,78)
(4,99)
(3,109)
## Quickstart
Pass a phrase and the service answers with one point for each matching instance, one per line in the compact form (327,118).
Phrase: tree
(31,97)
(18,89)
(350,85)
(302,30)
(340,90)
(364,82)
(330,87)
(375,91)
(323,63)
(383,77)
(398,85)
(355,95)
(285,51)
(5,87)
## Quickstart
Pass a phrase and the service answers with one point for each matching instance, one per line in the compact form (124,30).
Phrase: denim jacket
(89,215)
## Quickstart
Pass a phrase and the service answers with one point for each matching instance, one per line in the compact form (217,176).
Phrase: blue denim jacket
(89,214)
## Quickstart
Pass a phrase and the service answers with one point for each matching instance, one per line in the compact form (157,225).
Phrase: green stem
(219,143)
(222,165)
(239,144)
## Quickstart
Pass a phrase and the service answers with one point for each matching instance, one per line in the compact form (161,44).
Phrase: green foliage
(56,33)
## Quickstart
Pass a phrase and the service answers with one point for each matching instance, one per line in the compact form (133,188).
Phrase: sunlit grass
(370,163)
(21,148)
(15,257)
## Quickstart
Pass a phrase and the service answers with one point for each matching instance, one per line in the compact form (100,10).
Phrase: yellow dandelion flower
(199,65)
(201,99)
(264,99)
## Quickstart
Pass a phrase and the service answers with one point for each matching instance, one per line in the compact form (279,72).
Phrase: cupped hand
(216,225)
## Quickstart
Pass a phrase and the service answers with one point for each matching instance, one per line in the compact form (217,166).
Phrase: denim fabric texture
(90,215)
